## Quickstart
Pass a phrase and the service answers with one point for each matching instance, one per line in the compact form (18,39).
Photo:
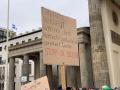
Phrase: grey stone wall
(99,58)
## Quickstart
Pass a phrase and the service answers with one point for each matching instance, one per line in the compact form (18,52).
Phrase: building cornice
(22,35)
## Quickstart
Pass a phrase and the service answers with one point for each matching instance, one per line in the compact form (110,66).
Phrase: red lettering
(62,53)
(50,51)
(71,54)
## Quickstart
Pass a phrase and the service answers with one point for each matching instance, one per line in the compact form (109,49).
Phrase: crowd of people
(105,87)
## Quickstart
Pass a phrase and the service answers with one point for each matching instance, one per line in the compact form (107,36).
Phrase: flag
(14,27)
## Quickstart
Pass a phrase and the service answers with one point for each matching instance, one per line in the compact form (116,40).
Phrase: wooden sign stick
(63,80)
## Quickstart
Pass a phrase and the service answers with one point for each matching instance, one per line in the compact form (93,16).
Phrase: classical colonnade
(76,76)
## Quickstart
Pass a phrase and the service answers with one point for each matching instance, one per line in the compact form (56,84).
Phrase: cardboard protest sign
(59,36)
(39,84)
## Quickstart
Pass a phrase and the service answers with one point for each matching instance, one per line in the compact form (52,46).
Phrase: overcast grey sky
(26,14)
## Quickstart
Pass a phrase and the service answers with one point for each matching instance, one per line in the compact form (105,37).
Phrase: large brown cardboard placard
(39,84)
(60,44)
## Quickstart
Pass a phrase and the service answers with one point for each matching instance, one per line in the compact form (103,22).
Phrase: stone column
(25,68)
(59,75)
(71,81)
(99,58)
(11,73)
(37,67)
(55,76)
(77,76)
(49,75)
(42,66)
(83,65)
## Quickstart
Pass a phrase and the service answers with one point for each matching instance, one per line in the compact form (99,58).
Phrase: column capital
(83,37)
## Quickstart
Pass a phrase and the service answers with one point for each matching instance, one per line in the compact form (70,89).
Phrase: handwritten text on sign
(59,39)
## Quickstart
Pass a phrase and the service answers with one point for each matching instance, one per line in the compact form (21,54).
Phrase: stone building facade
(105,41)
(3,34)
(99,51)
(22,38)
(28,47)
(2,76)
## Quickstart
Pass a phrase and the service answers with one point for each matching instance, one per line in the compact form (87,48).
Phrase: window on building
(5,47)
(23,41)
(2,74)
(17,43)
(11,44)
(15,70)
(0,85)
(29,40)
(30,69)
(36,38)
(14,85)
(0,60)
(115,18)
(0,48)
